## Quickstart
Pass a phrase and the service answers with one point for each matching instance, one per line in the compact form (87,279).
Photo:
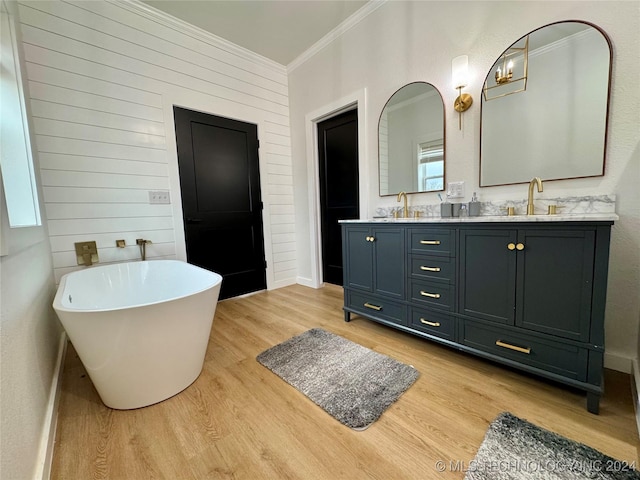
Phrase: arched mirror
(545,105)
(411,145)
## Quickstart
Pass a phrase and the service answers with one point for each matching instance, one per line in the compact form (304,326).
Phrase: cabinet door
(555,281)
(389,261)
(357,258)
(488,274)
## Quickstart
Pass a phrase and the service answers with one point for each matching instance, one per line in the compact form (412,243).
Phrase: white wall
(30,336)
(104,77)
(403,42)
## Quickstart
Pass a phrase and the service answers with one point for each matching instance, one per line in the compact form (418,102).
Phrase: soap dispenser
(474,206)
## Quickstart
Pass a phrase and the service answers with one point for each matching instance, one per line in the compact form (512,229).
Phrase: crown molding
(341,29)
(170,21)
(562,42)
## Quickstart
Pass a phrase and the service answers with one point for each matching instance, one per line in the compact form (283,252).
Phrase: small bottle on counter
(474,206)
(445,207)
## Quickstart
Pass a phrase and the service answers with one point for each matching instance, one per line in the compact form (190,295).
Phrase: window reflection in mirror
(411,141)
(554,127)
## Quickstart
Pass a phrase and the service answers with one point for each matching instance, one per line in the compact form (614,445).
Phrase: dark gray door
(339,199)
(389,261)
(488,274)
(560,303)
(221,202)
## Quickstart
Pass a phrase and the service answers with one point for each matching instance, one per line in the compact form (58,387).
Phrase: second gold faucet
(534,181)
(405,210)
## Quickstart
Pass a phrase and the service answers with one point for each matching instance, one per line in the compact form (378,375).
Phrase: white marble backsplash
(565,206)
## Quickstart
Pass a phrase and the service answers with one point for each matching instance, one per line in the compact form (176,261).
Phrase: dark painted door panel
(339,198)
(358,273)
(487,274)
(557,303)
(389,261)
(221,202)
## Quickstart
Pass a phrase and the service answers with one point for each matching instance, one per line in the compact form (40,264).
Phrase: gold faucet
(142,243)
(535,180)
(405,210)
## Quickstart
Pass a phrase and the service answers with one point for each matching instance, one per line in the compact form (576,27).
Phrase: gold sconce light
(514,62)
(460,77)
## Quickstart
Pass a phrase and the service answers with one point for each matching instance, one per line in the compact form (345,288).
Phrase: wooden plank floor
(238,420)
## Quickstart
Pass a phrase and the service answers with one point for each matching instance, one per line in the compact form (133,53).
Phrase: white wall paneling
(104,77)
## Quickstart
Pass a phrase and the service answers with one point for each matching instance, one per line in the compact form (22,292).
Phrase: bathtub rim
(57,301)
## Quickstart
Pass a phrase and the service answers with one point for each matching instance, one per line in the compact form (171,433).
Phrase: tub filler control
(86,253)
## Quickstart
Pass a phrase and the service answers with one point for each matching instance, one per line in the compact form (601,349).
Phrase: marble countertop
(577,217)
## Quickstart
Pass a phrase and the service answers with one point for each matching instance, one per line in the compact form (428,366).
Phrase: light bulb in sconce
(504,74)
(460,77)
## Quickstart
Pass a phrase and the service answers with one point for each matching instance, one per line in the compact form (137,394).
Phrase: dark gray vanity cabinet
(527,294)
(374,271)
(538,279)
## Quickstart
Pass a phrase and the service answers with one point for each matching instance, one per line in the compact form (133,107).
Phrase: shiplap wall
(103,77)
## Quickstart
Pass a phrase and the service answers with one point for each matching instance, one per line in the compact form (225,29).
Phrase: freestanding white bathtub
(141,329)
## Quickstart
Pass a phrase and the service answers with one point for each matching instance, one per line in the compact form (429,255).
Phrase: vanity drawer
(434,294)
(377,307)
(431,267)
(434,323)
(432,241)
(566,360)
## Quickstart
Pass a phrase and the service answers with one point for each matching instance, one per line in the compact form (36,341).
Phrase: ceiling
(280,30)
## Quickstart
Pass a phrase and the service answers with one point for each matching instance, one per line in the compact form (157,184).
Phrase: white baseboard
(617,362)
(307,282)
(48,438)
(635,389)
(283,283)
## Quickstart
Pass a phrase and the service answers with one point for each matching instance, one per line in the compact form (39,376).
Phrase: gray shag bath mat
(350,382)
(514,449)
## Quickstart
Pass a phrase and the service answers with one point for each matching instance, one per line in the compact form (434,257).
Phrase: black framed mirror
(411,141)
(544,106)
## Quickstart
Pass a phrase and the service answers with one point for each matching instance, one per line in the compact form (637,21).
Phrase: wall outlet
(455,189)
(159,197)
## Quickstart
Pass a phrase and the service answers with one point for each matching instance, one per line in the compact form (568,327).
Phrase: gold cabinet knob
(520,247)
(511,246)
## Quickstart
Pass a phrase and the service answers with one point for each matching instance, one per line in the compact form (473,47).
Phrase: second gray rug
(514,449)
(350,382)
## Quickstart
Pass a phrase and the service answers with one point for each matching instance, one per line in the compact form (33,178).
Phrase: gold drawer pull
(429,269)
(429,242)
(373,307)
(520,247)
(431,324)
(500,343)
(427,294)
(511,246)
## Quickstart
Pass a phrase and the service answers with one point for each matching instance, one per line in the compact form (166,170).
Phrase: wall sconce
(502,83)
(460,77)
